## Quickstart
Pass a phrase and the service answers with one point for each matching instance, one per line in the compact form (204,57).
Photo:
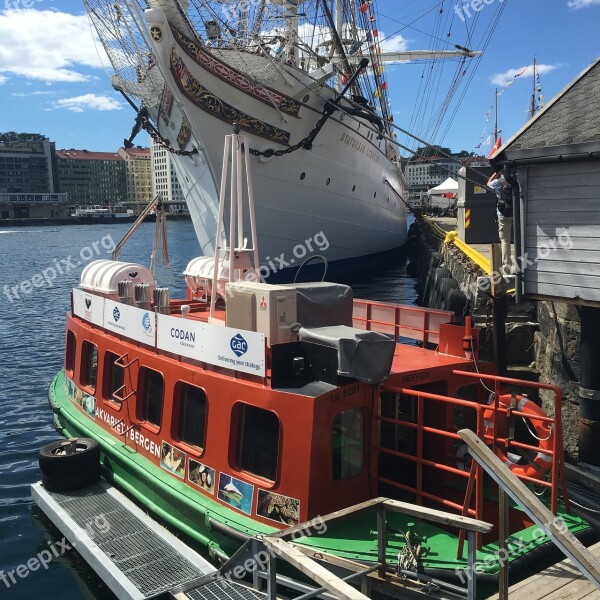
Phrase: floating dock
(136,557)
(562,581)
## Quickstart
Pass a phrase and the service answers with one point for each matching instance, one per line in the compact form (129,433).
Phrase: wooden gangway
(562,581)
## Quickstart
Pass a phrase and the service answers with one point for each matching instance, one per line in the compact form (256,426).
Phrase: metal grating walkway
(135,556)
(223,589)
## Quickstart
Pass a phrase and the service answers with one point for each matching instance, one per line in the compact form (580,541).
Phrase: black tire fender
(66,457)
(73,481)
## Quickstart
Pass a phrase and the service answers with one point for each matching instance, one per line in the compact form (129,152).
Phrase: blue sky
(52,80)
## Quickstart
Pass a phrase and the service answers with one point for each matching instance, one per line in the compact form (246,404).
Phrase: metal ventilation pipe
(127,292)
(162,300)
(589,390)
(142,296)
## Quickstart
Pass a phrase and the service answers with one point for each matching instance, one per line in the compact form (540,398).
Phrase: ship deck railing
(332,575)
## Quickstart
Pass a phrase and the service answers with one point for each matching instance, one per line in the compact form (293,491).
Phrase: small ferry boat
(97,212)
(246,407)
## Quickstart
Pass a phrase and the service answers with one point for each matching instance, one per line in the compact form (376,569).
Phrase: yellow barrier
(476,257)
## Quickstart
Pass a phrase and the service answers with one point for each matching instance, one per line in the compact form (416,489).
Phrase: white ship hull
(344,190)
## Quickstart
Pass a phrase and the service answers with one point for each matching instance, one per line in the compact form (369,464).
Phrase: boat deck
(562,581)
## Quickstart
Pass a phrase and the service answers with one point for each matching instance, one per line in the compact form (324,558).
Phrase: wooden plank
(566,255)
(438,516)
(561,279)
(316,572)
(580,243)
(573,217)
(581,230)
(565,268)
(542,172)
(542,516)
(558,199)
(339,515)
(562,292)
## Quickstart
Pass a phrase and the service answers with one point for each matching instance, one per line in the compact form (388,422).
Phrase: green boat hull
(221,530)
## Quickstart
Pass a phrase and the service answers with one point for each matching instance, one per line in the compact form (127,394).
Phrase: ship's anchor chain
(305,143)
(330,107)
(142,121)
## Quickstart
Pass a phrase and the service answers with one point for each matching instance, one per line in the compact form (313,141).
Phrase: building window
(258,441)
(348,444)
(115,376)
(152,388)
(70,353)
(192,414)
(89,364)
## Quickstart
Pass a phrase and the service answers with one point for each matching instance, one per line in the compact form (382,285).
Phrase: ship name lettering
(359,147)
(412,377)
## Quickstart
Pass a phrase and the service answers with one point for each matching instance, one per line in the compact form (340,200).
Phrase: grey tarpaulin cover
(363,355)
(322,304)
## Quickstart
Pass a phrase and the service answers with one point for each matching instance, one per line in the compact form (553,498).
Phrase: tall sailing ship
(289,72)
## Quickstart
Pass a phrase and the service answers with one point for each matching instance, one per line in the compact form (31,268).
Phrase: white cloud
(577,4)
(501,79)
(3,79)
(47,45)
(88,101)
(396,43)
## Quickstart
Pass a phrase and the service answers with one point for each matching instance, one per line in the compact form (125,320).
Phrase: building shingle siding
(573,119)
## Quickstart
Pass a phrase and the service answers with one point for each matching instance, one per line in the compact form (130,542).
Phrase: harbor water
(39,266)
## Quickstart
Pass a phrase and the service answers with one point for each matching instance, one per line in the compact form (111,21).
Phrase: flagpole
(532,113)
(496,127)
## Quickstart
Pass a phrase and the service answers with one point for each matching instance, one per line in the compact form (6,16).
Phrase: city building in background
(28,178)
(138,166)
(164,180)
(98,178)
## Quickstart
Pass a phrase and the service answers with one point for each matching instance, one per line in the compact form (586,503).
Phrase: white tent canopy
(447,187)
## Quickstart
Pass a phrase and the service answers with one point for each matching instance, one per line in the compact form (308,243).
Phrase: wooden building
(557,158)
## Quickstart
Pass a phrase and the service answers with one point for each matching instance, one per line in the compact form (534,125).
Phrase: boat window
(89,361)
(152,395)
(258,441)
(115,376)
(192,414)
(70,353)
(348,444)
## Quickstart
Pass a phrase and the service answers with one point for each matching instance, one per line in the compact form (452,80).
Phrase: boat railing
(261,555)
(485,414)
(412,322)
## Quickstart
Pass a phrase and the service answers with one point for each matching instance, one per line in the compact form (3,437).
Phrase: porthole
(353,188)
(302,176)
(306,98)
(375,195)
(328,181)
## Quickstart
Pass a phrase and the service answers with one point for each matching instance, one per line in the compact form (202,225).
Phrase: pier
(560,581)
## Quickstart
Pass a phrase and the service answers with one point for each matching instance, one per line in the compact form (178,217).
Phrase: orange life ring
(544,433)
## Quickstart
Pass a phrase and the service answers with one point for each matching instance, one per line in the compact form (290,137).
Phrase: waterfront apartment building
(92,177)
(138,166)
(424,173)
(29,183)
(164,179)
(28,167)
